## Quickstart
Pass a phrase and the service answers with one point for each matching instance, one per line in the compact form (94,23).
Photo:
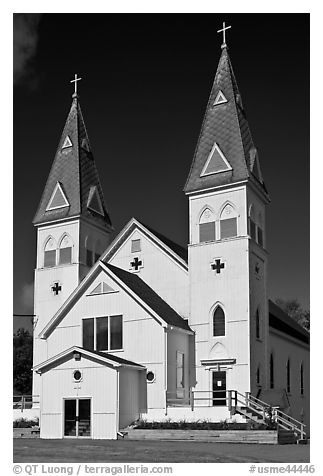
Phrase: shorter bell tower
(73,225)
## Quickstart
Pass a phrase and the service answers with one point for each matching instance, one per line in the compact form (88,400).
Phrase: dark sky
(146,81)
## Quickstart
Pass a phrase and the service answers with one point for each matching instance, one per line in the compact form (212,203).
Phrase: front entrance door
(77,417)
(219,388)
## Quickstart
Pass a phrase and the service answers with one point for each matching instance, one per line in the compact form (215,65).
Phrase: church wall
(159,271)
(98,383)
(143,337)
(283,348)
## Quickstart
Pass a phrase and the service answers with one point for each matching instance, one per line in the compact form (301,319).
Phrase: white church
(139,327)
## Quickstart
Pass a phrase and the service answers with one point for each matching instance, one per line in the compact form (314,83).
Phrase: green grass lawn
(27,450)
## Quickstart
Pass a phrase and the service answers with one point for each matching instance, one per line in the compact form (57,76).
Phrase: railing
(23,402)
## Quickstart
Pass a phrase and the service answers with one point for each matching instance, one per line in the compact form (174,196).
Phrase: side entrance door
(77,417)
(219,388)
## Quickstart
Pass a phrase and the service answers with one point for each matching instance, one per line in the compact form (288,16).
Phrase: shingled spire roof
(225,152)
(73,187)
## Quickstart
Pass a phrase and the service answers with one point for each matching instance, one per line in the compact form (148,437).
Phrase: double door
(77,417)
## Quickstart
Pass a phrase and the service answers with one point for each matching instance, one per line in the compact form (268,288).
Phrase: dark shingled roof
(178,249)
(114,358)
(155,302)
(74,168)
(279,320)
(227,125)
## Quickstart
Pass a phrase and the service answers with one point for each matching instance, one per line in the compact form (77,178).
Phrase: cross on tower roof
(75,80)
(223,30)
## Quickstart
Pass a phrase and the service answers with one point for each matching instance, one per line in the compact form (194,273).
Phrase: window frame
(95,331)
(136,241)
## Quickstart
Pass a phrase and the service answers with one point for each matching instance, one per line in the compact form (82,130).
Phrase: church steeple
(73,188)
(225,152)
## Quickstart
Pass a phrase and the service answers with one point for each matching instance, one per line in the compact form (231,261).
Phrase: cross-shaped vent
(136,264)
(217,266)
(56,288)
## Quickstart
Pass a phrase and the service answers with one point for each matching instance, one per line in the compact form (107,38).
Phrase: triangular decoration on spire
(67,143)
(58,199)
(94,201)
(220,99)
(85,145)
(216,162)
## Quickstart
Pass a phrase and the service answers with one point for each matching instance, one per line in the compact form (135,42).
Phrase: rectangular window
(207,231)
(88,334)
(228,228)
(135,246)
(49,258)
(115,332)
(103,333)
(180,384)
(260,237)
(65,255)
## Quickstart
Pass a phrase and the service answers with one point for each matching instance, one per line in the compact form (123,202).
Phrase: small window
(103,333)
(218,322)
(150,377)
(115,332)
(65,250)
(228,222)
(302,380)
(50,254)
(260,237)
(258,375)
(257,324)
(89,257)
(288,376)
(252,227)
(207,226)
(271,371)
(135,246)
(89,251)
(77,375)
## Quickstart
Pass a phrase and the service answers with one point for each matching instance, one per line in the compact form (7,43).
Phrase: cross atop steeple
(75,80)
(223,31)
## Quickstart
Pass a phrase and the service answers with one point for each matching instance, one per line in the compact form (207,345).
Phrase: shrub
(24,423)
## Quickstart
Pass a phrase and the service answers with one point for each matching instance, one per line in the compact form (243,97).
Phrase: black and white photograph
(161,239)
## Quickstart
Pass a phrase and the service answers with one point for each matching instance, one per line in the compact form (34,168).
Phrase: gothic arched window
(218,322)
(260,234)
(50,253)
(97,252)
(65,250)
(252,223)
(228,222)
(89,252)
(257,324)
(288,376)
(258,375)
(207,226)
(271,371)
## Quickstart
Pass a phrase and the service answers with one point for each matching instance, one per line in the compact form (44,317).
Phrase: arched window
(252,223)
(257,324)
(288,376)
(50,253)
(65,250)
(89,252)
(207,226)
(302,379)
(97,252)
(271,371)
(260,234)
(258,375)
(228,222)
(218,322)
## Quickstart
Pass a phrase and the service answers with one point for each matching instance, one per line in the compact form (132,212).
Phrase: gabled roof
(133,285)
(279,320)
(75,170)
(152,299)
(225,124)
(173,250)
(113,360)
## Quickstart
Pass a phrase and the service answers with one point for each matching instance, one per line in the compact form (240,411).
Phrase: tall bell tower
(227,246)
(72,222)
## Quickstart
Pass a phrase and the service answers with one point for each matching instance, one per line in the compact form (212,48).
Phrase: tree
(22,361)
(293,308)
